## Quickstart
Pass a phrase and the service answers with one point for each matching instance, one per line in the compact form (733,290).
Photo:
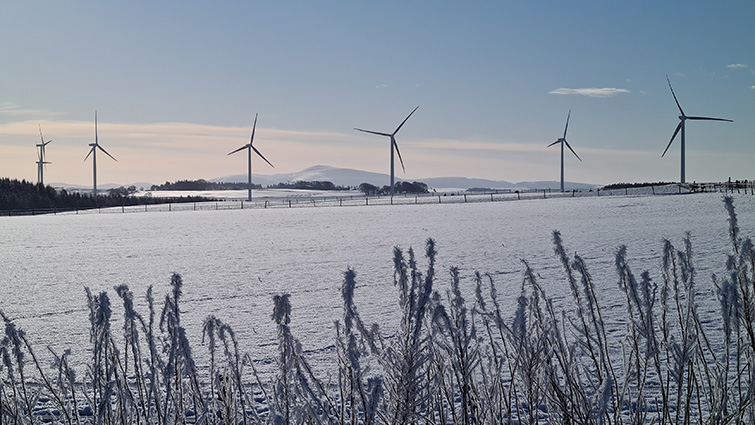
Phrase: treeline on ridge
(633,185)
(202,184)
(366,188)
(400,187)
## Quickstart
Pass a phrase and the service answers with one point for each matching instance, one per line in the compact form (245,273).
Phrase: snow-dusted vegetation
(502,350)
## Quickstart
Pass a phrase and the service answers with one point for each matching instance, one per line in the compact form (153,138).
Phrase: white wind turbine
(563,142)
(680,126)
(41,155)
(93,152)
(394,145)
(251,148)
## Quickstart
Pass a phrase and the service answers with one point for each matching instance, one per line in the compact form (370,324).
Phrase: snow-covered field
(233,262)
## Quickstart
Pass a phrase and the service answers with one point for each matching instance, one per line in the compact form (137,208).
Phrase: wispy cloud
(381,86)
(737,66)
(753,87)
(10,109)
(591,92)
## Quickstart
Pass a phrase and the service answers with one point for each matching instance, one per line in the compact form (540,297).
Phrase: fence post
(465,198)
(439,201)
(242,204)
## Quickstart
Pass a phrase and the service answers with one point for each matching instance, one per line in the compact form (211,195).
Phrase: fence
(402,199)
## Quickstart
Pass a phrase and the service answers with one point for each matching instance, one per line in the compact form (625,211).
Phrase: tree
(368,189)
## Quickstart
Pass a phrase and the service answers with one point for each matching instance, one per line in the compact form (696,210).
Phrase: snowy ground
(233,262)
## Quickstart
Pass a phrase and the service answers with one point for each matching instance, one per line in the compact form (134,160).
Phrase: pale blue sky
(176,86)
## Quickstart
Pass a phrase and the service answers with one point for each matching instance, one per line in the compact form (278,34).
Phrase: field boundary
(747,188)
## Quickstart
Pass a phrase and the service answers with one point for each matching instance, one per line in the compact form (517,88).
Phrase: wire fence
(746,187)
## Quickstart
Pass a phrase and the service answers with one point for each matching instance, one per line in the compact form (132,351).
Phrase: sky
(176,86)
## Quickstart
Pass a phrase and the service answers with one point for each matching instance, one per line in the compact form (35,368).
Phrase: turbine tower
(93,152)
(394,145)
(251,148)
(41,155)
(680,126)
(563,142)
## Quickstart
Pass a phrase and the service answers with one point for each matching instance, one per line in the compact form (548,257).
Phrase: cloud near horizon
(591,92)
(737,66)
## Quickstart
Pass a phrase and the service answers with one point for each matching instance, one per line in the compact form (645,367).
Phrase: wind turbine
(93,152)
(563,142)
(680,126)
(394,145)
(41,154)
(251,148)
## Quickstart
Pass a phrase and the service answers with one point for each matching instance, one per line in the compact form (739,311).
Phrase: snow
(233,262)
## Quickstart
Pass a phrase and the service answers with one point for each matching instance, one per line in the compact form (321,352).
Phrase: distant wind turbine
(394,145)
(563,142)
(251,148)
(93,152)
(680,126)
(41,155)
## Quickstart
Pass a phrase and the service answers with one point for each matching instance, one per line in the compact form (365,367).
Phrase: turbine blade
(567,123)
(557,141)
(90,152)
(40,134)
(261,156)
(395,145)
(674,94)
(373,132)
(239,149)
(678,127)
(405,119)
(95,128)
(572,150)
(709,119)
(254,127)
(106,153)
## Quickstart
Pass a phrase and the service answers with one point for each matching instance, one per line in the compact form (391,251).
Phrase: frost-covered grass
(450,360)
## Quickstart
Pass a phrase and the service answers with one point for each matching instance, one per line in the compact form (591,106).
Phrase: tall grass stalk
(448,361)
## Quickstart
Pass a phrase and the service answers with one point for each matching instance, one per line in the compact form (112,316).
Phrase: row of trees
(401,187)
(24,195)
(366,188)
(202,184)
(311,185)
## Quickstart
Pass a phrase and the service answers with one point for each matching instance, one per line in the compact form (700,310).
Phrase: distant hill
(350,177)
(339,177)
